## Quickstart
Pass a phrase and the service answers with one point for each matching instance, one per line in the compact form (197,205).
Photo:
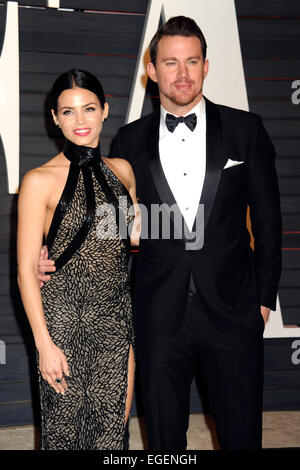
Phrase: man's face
(179,72)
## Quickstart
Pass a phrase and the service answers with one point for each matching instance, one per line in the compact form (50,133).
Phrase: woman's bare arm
(32,208)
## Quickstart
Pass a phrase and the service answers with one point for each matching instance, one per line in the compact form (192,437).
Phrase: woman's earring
(105,119)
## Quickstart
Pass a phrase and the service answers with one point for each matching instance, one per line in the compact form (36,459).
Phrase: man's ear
(151,70)
(206,67)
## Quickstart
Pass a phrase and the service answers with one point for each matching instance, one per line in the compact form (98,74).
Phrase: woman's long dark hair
(76,78)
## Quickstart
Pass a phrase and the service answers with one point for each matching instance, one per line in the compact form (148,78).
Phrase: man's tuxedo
(231,280)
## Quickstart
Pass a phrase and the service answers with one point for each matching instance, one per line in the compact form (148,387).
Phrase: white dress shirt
(183,159)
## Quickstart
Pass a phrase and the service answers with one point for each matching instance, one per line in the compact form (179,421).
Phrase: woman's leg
(130,382)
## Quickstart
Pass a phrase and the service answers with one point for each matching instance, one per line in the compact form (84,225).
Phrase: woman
(82,318)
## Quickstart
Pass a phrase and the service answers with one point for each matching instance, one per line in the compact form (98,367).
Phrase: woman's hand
(53,364)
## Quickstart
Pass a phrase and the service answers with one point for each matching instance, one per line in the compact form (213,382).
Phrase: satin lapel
(159,179)
(215,158)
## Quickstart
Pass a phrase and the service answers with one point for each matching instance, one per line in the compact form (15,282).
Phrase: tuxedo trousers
(231,375)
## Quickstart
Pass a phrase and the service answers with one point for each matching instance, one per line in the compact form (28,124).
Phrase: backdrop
(103,36)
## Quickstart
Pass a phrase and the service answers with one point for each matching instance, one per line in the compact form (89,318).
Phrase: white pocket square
(231,163)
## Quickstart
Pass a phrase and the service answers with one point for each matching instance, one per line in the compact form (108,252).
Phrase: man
(202,305)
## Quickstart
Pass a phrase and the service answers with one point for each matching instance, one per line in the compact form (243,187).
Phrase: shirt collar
(199,110)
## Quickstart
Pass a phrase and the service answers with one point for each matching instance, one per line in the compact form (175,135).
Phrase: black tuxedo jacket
(231,280)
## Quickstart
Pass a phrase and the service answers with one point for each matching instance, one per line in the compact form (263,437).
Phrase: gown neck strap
(82,155)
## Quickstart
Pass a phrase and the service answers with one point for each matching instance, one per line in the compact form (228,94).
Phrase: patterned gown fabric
(87,307)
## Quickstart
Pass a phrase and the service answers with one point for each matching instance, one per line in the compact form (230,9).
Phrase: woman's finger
(52,383)
(58,379)
(65,367)
(64,384)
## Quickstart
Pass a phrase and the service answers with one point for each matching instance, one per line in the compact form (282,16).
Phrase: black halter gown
(87,307)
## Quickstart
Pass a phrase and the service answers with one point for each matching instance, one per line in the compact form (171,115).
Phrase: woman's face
(80,116)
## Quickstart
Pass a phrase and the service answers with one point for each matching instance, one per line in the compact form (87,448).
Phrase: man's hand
(265,311)
(45,265)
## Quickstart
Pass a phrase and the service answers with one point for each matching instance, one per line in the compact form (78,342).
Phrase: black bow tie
(173,121)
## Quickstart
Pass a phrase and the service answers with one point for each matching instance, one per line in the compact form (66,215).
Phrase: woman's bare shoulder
(121,168)
(44,174)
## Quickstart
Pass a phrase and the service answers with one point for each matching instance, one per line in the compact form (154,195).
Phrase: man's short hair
(177,26)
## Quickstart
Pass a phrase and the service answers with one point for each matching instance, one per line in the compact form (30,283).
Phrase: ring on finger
(58,380)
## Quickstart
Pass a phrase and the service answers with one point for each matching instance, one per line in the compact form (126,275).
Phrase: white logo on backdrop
(10,95)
